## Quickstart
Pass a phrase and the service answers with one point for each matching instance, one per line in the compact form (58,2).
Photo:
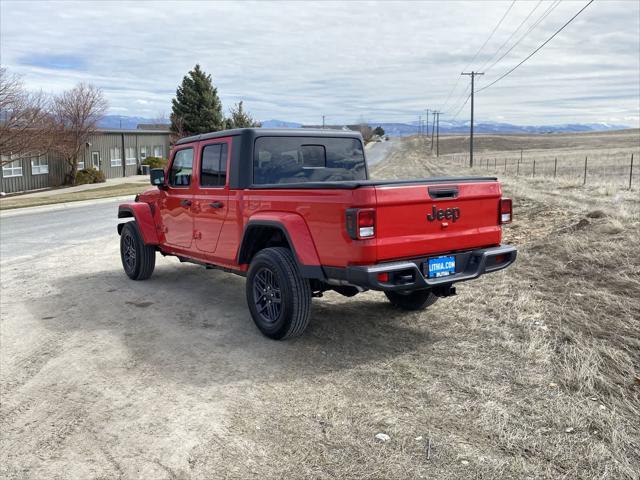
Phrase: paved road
(31,234)
(378,152)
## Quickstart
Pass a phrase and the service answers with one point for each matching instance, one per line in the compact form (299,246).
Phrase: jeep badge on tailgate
(440,214)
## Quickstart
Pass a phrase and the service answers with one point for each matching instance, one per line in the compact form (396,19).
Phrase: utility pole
(437,134)
(433,127)
(323,122)
(427,122)
(420,125)
(472,74)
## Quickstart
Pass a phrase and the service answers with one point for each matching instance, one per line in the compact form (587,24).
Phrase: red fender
(144,218)
(296,231)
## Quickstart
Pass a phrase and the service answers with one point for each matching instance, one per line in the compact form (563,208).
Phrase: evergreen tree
(378,131)
(196,107)
(240,118)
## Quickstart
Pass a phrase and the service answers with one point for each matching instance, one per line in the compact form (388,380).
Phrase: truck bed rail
(353,184)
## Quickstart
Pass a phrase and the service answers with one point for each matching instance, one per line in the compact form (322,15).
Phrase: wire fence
(621,168)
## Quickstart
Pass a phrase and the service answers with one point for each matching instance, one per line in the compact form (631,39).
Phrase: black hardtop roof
(272,132)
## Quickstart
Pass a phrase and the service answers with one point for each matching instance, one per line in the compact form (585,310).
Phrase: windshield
(307,159)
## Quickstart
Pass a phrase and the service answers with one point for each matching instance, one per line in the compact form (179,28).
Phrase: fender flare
(297,233)
(143,216)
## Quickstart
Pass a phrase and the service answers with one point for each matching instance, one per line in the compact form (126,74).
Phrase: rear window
(307,159)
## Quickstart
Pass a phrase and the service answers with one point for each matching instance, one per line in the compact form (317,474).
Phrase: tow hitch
(444,291)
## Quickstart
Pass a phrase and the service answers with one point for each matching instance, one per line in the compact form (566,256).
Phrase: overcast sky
(296,61)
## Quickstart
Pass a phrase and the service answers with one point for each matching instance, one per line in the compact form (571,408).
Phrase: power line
(461,107)
(457,104)
(537,49)
(478,52)
(544,15)
(512,34)
(491,34)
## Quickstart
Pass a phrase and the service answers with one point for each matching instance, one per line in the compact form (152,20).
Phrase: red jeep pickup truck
(295,212)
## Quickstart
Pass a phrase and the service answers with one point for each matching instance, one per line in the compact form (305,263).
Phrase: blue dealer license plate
(441,266)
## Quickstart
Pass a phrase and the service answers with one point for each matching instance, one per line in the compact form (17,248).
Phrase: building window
(80,165)
(157,151)
(95,160)
(39,166)
(13,169)
(130,155)
(114,156)
(143,153)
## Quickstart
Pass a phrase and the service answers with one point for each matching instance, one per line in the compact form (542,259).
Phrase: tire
(413,300)
(279,298)
(138,259)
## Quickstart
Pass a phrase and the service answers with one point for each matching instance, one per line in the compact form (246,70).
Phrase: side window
(181,168)
(214,165)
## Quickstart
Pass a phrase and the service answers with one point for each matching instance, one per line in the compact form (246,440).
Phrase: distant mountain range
(280,124)
(402,129)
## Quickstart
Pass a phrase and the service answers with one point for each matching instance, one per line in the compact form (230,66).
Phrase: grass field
(562,156)
(19,201)
(545,358)
(533,372)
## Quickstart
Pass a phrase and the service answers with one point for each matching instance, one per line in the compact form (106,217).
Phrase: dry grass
(528,373)
(608,155)
(101,192)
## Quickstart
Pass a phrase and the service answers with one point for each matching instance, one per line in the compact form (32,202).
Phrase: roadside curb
(61,206)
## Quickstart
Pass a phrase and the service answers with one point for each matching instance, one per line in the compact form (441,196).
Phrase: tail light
(361,223)
(506,210)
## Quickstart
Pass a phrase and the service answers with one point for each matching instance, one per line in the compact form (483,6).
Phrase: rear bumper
(408,274)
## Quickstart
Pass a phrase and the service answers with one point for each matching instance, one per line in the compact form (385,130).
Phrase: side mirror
(157,177)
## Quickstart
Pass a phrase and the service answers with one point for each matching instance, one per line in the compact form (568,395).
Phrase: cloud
(298,61)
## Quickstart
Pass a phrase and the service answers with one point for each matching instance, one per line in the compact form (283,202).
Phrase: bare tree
(76,113)
(366,131)
(25,122)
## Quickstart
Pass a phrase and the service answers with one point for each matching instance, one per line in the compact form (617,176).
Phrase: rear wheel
(138,259)
(412,300)
(278,297)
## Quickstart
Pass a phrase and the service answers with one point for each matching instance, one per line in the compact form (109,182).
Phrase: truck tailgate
(426,219)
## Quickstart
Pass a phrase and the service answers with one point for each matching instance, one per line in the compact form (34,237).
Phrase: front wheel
(278,297)
(412,300)
(138,259)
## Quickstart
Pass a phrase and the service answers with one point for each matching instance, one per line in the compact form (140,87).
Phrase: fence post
(555,167)
(631,172)
(584,181)
(505,165)
(520,160)
(534,167)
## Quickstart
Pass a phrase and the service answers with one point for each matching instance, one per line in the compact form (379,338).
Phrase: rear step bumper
(408,274)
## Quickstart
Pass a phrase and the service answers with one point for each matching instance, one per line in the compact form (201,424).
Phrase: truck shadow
(193,325)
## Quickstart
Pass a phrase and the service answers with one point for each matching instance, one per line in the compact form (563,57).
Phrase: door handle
(216,204)
(185,203)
